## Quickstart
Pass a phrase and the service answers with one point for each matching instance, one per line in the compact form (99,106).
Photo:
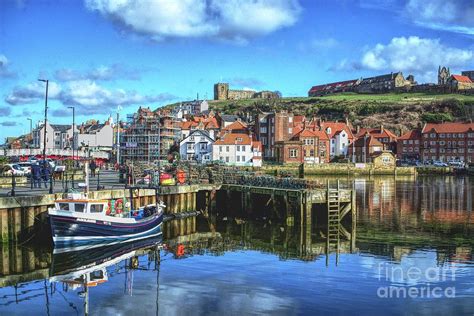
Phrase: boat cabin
(83,206)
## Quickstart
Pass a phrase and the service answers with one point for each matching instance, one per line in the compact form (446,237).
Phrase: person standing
(45,174)
(36,175)
(93,166)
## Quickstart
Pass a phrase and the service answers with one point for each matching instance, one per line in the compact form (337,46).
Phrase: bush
(437,117)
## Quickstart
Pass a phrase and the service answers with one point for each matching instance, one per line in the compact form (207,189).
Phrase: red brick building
(271,128)
(364,147)
(306,146)
(447,142)
(383,135)
(408,145)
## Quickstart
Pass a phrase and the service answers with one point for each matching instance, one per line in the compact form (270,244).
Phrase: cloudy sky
(100,54)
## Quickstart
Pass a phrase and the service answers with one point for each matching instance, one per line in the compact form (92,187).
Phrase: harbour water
(413,254)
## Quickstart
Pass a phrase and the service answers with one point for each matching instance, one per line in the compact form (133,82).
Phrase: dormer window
(239,139)
(328,130)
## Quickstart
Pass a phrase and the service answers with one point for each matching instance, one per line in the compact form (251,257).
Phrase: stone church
(222,92)
(443,76)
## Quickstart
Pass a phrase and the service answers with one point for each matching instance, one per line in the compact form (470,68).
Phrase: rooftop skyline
(99,54)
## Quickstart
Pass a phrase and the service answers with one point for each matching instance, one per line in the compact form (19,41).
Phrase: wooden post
(353,219)
(4,225)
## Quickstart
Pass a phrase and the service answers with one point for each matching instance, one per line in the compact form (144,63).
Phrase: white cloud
(86,95)
(420,56)
(103,73)
(445,15)
(414,54)
(32,92)
(5,72)
(236,20)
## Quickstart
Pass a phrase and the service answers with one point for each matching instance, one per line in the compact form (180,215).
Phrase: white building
(96,135)
(190,108)
(340,136)
(60,136)
(238,150)
(197,146)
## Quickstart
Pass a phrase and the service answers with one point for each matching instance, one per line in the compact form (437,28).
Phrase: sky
(104,56)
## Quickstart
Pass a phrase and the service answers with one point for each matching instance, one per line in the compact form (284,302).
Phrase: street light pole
(73,132)
(31,128)
(45,115)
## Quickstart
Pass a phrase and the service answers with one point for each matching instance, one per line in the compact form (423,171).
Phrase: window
(238,158)
(433,135)
(79,207)
(227,148)
(417,142)
(238,148)
(442,135)
(64,206)
(293,153)
(239,139)
(290,130)
(97,208)
(263,129)
(243,158)
(404,142)
(460,135)
(220,149)
(226,159)
(190,146)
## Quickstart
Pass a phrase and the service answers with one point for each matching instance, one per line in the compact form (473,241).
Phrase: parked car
(440,164)
(458,164)
(26,167)
(11,168)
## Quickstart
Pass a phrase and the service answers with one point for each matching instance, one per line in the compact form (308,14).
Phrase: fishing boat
(78,222)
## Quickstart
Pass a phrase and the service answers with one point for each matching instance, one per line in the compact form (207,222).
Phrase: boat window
(79,207)
(97,208)
(64,206)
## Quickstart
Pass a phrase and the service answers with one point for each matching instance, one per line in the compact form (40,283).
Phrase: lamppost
(117,141)
(31,128)
(73,132)
(45,115)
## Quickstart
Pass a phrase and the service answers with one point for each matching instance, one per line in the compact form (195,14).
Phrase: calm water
(412,236)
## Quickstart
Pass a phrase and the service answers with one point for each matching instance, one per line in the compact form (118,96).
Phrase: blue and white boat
(81,223)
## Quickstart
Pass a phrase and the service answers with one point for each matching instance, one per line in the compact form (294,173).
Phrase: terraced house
(448,142)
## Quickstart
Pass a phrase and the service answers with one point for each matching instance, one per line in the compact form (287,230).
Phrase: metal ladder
(333,206)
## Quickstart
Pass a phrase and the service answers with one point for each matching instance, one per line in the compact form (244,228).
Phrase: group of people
(40,173)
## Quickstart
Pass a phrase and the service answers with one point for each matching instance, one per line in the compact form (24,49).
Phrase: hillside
(396,111)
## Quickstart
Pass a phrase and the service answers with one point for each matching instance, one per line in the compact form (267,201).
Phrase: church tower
(221,91)
(443,75)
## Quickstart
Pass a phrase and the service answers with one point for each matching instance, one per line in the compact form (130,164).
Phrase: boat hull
(82,233)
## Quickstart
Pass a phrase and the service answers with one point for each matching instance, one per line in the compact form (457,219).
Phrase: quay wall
(337,169)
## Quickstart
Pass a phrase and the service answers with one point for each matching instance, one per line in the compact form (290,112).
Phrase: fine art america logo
(415,282)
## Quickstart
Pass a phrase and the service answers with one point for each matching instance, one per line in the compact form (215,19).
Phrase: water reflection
(224,265)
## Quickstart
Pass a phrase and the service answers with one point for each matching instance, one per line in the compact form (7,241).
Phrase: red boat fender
(109,209)
(180,251)
(118,205)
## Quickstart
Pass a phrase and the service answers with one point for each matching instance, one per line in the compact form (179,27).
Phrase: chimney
(381,128)
(358,129)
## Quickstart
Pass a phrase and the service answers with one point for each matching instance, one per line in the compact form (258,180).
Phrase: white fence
(52,152)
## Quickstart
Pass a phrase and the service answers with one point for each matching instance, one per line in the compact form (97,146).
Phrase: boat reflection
(83,269)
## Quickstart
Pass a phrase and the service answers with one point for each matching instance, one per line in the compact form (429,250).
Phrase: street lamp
(31,128)
(45,115)
(73,132)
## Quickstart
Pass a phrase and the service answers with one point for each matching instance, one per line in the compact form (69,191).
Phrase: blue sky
(98,54)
